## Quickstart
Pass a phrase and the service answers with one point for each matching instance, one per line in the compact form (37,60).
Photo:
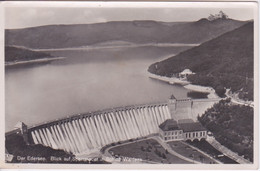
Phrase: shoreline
(33,61)
(186,84)
(198,88)
(93,47)
(172,80)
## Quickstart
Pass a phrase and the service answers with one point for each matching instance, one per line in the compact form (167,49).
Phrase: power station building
(184,129)
(171,130)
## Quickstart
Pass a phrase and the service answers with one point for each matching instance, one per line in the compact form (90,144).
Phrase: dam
(87,133)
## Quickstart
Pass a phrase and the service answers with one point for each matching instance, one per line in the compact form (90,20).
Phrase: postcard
(147,85)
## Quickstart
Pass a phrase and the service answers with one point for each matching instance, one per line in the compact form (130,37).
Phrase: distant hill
(226,61)
(61,36)
(13,54)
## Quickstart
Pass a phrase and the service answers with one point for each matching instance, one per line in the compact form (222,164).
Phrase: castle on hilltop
(220,15)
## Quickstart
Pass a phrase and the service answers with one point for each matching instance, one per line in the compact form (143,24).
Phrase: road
(202,152)
(169,149)
(227,152)
(238,101)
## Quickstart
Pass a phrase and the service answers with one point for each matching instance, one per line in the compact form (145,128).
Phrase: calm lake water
(85,81)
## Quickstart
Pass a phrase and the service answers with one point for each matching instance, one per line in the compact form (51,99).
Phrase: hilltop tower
(172,105)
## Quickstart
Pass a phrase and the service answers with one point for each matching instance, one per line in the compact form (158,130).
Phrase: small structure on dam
(21,129)
(180,108)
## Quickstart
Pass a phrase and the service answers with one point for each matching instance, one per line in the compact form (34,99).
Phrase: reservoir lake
(85,81)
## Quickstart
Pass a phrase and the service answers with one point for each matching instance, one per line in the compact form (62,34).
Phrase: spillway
(86,133)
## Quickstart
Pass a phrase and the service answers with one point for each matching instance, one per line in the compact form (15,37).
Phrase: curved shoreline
(93,47)
(186,84)
(33,61)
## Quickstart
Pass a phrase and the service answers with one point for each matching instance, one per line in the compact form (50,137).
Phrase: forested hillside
(223,62)
(61,36)
(13,54)
(232,126)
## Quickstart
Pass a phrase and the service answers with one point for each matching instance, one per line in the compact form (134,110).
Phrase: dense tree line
(224,62)
(13,54)
(220,82)
(16,146)
(232,126)
(139,31)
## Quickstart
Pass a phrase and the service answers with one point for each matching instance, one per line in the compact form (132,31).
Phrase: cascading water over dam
(85,133)
(91,132)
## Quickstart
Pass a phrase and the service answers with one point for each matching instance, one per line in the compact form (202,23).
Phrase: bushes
(232,126)
(222,81)
(160,154)
(220,90)
(16,146)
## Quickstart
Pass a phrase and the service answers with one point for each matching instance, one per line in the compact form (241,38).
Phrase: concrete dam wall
(84,134)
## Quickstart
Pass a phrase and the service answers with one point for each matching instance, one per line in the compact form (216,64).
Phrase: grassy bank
(148,150)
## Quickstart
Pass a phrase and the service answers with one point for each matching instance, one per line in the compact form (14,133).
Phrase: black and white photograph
(163,83)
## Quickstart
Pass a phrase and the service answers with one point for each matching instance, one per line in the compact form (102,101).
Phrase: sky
(30,15)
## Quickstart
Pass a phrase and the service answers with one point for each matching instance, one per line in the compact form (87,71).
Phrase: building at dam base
(87,133)
(171,130)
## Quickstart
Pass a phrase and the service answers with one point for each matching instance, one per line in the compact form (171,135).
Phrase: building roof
(19,125)
(191,127)
(186,71)
(172,97)
(185,121)
(169,125)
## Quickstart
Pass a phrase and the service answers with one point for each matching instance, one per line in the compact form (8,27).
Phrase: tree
(220,15)
(201,158)
(220,90)
(163,156)
(223,15)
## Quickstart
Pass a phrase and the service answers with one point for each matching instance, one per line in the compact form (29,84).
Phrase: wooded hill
(232,126)
(13,54)
(223,62)
(61,36)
